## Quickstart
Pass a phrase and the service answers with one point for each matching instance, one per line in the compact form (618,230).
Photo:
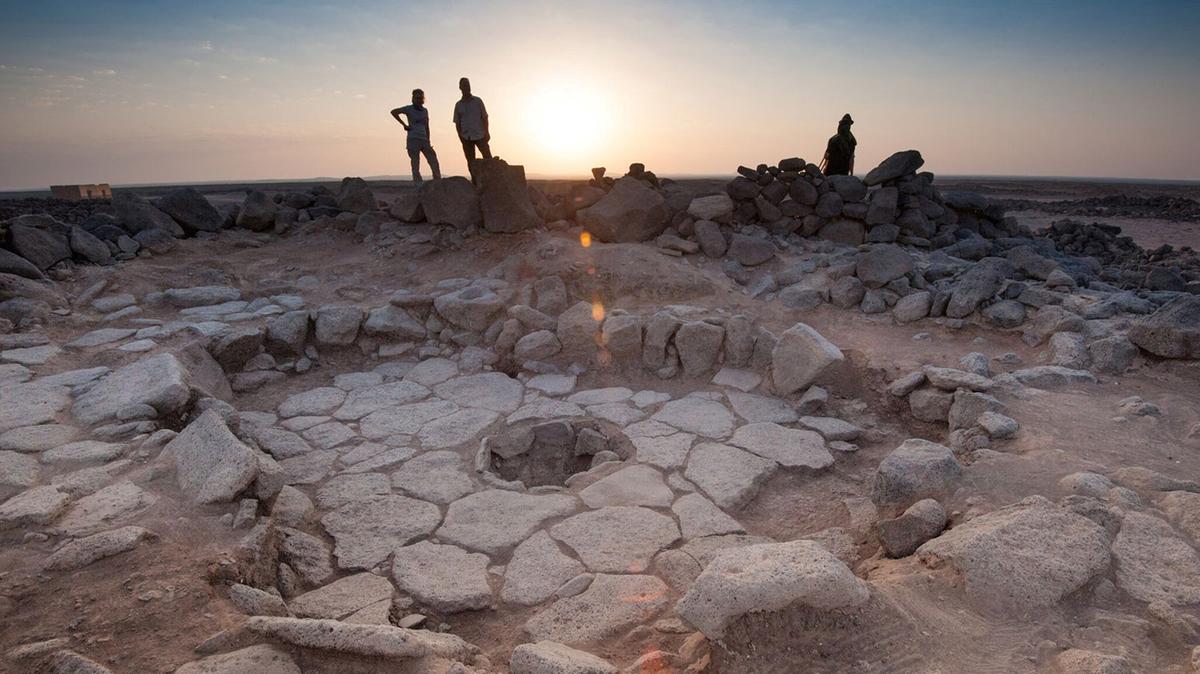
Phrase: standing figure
(839,154)
(471,120)
(418,135)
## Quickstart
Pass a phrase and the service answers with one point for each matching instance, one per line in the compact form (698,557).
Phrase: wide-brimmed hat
(846,119)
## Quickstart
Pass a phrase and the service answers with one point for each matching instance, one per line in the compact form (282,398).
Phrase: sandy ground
(144,612)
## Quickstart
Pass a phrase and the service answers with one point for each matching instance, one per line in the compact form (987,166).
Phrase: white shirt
(469,114)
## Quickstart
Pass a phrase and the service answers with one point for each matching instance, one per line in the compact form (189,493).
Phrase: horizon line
(587,176)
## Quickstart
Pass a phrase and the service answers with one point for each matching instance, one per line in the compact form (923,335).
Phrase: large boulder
(632,211)
(451,201)
(768,577)
(504,197)
(916,470)
(800,357)
(843,231)
(978,284)
(85,245)
(472,308)
(355,196)
(1028,555)
(11,263)
(1171,332)
(716,208)
(191,210)
(899,164)
(159,381)
(257,213)
(43,247)
(883,264)
(137,214)
(211,464)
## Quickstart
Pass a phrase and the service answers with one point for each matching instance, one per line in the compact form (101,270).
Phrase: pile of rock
(904,206)
(960,399)
(1125,263)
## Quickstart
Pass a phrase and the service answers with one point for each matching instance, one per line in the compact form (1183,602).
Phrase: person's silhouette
(839,153)
(471,120)
(418,135)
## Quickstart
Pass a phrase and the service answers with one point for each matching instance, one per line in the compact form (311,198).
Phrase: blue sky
(172,91)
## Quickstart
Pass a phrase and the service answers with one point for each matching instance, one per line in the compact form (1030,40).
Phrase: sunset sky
(167,91)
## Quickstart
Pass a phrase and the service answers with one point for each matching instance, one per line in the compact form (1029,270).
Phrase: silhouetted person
(471,120)
(418,135)
(839,154)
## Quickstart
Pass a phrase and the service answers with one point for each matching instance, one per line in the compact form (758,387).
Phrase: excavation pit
(541,453)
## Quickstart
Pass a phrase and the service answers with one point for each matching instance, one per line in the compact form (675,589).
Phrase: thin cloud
(104,72)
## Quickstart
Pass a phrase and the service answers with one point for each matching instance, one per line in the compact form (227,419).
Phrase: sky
(142,91)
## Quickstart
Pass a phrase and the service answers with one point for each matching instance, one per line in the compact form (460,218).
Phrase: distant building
(81,192)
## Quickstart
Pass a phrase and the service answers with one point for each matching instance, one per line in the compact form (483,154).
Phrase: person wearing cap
(839,153)
(418,135)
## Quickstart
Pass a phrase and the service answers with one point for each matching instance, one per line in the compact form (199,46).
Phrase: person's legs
(432,160)
(414,156)
(484,149)
(468,149)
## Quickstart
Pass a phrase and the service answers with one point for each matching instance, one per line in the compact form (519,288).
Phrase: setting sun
(568,121)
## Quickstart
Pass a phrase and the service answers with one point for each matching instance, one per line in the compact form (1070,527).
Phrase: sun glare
(568,120)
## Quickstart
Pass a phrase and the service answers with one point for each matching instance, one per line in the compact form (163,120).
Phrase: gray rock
(800,357)
(715,208)
(38,506)
(548,657)
(1052,376)
(699,517)
(902,536)
(212,465)
(394,322)
(1029,554)
(969,406)
(371,641)
(731,477)
(201,296)
(882,264)
(791,448)
(337,325)
(443,577)
(617,539)
(451,201)
(602,612)
(42,247)
(317,401)
(188,207)
(112,504)
(1005,313)
(342,597)
(85,245)
(697,415)
(632,211)
(1112,355)
(159,381)
(913,307)
(494,520)
(471,308)
(366,531)
(768,577)
(979,283)
(260,659)
(916,470)
(11,263)
(537,569)
(712,241)
(899,164)
(699,344)
(1153,564)
(287,332)
(1173,331)
(437,477)
(257,212)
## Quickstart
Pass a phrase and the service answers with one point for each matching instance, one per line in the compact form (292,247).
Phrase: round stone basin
(539,452)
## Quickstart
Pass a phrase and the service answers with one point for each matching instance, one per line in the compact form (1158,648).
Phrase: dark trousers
(470,145)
